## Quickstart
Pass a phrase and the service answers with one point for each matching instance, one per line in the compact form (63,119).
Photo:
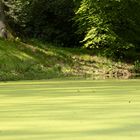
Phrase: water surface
(70,110)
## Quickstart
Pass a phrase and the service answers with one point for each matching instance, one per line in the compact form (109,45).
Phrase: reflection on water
(136,76)
(70,110)
(104,77)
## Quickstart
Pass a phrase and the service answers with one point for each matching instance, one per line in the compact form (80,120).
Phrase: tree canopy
(45,19)
(109,25)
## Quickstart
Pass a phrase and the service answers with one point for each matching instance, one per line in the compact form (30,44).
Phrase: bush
(110,25)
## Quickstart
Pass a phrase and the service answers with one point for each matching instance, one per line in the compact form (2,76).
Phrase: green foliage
(38,60)
(109,26)
(18,61)
(44,19)
(137,66)
(18,10)
(112,25)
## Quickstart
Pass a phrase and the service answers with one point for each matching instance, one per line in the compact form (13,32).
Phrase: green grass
(37,60)
(70,110)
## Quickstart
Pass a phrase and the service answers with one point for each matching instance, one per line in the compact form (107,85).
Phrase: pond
(70,110)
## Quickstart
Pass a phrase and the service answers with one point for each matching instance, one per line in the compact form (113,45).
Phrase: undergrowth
(38,60)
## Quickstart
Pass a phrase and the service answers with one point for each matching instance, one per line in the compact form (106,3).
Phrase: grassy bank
(70,110)
(37,60)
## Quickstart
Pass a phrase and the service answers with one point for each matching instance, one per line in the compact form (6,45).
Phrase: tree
(44,19)
(109,25)
(3,32)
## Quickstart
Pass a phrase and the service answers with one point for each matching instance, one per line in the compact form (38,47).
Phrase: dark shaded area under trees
(111,27)
(48,20)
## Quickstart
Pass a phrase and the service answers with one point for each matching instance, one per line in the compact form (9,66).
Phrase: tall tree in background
(17,13)
(3,32)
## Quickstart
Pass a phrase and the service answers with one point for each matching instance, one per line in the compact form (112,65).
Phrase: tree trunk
(3,32)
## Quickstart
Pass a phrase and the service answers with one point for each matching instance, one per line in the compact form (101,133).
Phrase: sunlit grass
(70,110)
(37,60)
